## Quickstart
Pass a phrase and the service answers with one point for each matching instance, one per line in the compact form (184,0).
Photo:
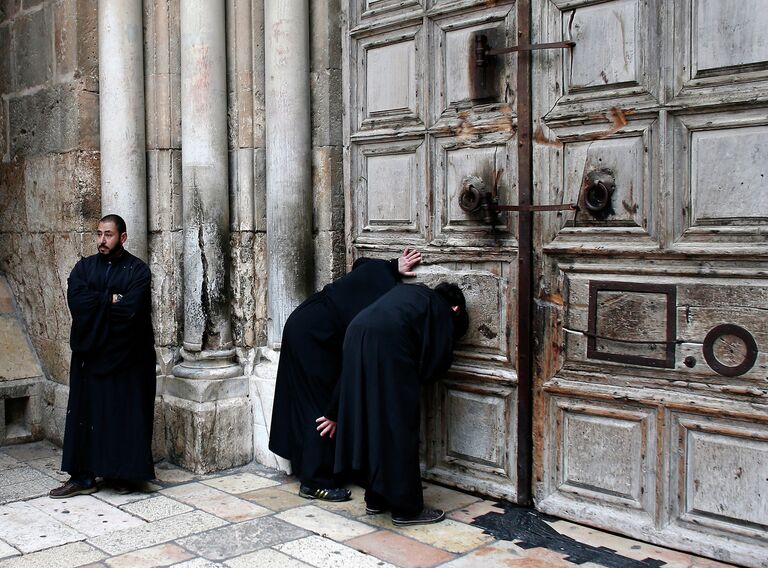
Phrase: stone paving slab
(500,554)
(238,539)
(28,529)
(449,535)
(7,462)
(240,483)
(33,451)
(265,558)
(216,502)
(201,563)
(323,553)
(156,532)
(27,490)
(325,523)
(50,467)
(7,550)
(109,495)
(439,497)
(67,556)
(86,514)
(156,508)
(274,499)
(160,555)
(400,550)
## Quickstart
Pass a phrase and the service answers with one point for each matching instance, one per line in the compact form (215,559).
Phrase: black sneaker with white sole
(426,517)
(334,494)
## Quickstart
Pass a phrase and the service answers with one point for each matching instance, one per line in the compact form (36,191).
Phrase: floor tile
(7,550)
(240,482)
(67,556)
(161,555)
(274,499)
(157,532)
(86,514)
(21,474)
(399,550)
(448,535)
(201,563)
(265,558)
(33,451)
(325,553)
(29,529)
(7,462)
(355,507)
(501,554)
(548,558)
(238,539)
(156,508)
(173,475)
(469,513)
(216,502)
(50,467)
(110,496)
(27,490)
(325,523)
(439,497)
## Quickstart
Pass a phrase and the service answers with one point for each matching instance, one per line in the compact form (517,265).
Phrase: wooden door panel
(412,137)
(653,328)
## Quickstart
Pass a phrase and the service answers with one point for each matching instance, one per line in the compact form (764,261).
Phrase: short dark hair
(117,220)
(452,294)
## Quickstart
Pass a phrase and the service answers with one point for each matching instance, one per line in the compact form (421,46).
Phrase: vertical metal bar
(524,257)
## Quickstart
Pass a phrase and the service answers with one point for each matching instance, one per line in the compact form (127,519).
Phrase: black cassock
(310,363)
(401,341)
(112,375)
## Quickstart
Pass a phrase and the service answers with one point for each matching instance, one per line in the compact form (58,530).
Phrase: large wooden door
(413,137)
(651,407)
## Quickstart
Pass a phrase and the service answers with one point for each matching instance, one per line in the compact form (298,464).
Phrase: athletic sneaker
(426,517)
(334,494)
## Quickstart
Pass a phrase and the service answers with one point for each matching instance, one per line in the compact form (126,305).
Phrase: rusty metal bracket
(483,51)
(560,207)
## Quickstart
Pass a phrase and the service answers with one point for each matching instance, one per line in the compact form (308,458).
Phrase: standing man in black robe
(401,341)
(306,392)
(108,429)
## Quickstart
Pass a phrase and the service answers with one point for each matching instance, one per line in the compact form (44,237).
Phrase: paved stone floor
(252,516)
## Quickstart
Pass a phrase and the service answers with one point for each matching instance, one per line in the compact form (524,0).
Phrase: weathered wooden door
(651,412)
(413,137)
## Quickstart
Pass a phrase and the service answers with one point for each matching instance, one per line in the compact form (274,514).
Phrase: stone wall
(49,172)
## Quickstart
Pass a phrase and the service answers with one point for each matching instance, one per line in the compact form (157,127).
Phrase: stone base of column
(208,435)
(263,396)
(198,364)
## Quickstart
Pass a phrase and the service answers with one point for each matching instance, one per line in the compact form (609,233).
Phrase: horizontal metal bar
(531,47)
(560,207)
(633,341)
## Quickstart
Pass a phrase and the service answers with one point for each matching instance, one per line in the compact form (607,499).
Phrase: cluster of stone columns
(208,414)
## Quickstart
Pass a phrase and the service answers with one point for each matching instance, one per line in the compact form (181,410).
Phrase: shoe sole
(413,522)
(309,496)
(85,491)
(374,511)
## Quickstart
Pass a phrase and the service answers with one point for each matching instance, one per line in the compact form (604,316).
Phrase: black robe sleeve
(89,308)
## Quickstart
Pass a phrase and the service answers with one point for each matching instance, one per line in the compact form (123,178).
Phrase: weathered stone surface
(245,282)
(190,427)
(45,121)
(31,47)
(5,57)
(65,36)
(325,31)
(54,411)
(164,203)
(327,180)
(88,46)
(17,360)
(158,431)
(7,305)
(327,110)
(54,355)
(13,214)
(165,256)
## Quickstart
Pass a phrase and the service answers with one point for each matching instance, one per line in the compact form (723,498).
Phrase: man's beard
(110,253)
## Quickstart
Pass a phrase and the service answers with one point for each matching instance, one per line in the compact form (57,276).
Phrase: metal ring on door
(719,331)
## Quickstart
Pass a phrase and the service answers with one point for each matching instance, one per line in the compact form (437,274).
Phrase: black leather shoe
(426,517)
(375,504)
(70,489)
(334,494)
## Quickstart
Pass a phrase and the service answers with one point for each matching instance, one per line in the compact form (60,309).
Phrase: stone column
(208,412)
(121,113)
(289,171)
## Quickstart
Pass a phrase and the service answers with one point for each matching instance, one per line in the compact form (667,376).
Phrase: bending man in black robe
(306,393)
(401,341)
(108,429)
